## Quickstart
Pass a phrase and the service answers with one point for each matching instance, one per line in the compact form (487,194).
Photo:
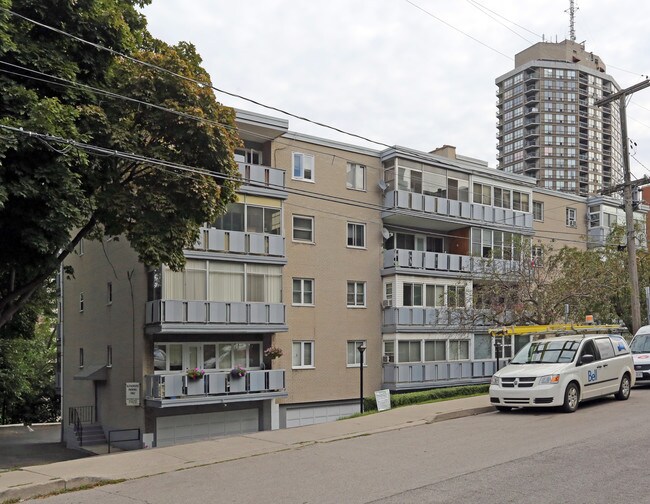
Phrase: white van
(640,347)
(563,371)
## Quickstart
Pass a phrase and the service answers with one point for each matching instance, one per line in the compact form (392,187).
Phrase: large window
(356,294)
(458,350)
(302,355)
(356,177)
(303,167)
(412,294)
(409,351)
(356,235)
(435,350)
(482,346)
(303,291)
(354,355)
(456,296)
(223,281)
(303,228)
(208,356)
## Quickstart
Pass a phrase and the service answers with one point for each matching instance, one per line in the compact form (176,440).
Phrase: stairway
(92,434)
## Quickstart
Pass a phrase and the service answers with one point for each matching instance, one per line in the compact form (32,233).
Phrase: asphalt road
(22,446)
(592,456)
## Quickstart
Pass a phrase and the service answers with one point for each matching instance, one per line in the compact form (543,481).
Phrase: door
(590,373)
(609,370)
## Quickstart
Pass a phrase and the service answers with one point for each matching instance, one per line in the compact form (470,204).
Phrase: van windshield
(641,344)
(547,352)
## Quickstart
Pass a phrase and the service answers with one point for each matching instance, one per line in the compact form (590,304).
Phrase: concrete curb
(460,414)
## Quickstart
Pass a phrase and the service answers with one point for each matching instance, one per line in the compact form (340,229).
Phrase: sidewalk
(43,479)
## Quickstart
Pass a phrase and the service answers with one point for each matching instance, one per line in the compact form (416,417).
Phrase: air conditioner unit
(387,303)
(572,223)
(385,359)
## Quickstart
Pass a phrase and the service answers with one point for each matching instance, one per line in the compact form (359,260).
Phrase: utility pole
(635,307)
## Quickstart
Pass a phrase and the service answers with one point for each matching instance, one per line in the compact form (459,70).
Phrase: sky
(414,73)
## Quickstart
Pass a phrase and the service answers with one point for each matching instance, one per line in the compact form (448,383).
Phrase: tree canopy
(51,194)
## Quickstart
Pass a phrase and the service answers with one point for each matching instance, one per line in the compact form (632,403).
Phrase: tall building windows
(303,167)
(303,291)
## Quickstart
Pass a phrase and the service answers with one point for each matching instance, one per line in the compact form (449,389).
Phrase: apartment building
(549,126)
(328,248)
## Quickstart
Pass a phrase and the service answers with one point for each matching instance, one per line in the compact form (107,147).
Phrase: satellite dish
(382,185)
(385,233)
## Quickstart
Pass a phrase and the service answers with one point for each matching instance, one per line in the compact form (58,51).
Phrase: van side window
(589,348)
(605,348)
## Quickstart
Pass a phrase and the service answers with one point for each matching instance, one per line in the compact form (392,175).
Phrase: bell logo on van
(592,376)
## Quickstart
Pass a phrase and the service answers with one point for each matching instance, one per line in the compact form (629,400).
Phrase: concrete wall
(119,324)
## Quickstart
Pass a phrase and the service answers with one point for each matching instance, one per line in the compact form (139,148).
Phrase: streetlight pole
(361,348)
(621,95)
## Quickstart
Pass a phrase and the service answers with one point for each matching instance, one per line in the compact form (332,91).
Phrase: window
(356,294)
(412,294)
(456,296)
(388,293)
(81,302)
(354,355)
(409,351)
(356,235)
(389,352)
(109,356)
(302,355)
(537,253)
(458,350)
(356,177)
(435,351)
(303,291)
(571,217)
(263,220)
(81,357)
(109,293)
(482,194)
(303,167)
(482,346)
(79,249)
(538,210)
(303,228)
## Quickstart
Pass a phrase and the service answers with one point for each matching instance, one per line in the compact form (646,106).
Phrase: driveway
(22,446)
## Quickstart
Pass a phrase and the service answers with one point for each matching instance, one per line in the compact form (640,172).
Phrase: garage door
(202,426)
(309,415)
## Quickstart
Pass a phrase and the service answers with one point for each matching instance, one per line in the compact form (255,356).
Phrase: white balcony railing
(440,261)
(218,383)
(214,312)
(239,242)
(433,205)
(272,178)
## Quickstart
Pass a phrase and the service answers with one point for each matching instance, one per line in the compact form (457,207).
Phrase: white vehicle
(640,347)
(563,371)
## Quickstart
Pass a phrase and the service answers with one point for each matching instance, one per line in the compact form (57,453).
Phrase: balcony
(239,242)
(411,376)
(182,316)
(443,262)
(419,319)
(176,389)
(264,180)
(434,207)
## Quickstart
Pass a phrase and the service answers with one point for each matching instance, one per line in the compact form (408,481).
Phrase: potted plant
(273,352)
(195,374)
(238,372)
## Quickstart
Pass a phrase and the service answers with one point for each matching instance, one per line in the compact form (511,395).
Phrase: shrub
(422,396)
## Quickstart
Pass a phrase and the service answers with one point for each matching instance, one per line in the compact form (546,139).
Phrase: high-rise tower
(548,125)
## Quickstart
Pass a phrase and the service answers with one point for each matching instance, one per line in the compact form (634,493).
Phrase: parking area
(22,446)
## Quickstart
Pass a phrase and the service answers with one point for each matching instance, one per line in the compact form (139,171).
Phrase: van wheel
(503,409)
(571,398)
(623,393)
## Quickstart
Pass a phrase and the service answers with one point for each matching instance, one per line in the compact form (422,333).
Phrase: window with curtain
(263,283)
(226,282)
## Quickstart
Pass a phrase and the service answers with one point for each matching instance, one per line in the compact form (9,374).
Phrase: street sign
(133,393)
(382,397)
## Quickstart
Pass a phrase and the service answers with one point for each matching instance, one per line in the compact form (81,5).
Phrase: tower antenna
(572,16)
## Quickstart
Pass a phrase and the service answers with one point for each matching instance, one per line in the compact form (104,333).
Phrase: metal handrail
(125,440)
(77,426)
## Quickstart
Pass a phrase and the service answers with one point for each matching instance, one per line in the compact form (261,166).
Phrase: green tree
(52,195)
